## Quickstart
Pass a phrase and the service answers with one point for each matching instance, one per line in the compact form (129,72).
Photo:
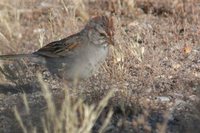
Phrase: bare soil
(154,66)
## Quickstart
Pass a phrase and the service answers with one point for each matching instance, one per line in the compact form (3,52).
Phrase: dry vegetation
(153,69)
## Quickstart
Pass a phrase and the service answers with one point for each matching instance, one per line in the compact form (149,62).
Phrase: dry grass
(153,66)
(74,115)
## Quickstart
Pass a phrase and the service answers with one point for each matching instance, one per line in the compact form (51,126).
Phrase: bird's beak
(111,41)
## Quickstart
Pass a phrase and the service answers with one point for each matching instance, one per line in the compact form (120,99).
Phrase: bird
(79,55)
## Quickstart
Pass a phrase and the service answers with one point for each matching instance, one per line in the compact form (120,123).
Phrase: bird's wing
(60,48)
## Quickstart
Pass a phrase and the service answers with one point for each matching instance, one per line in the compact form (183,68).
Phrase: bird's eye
(103,34)
(101,31)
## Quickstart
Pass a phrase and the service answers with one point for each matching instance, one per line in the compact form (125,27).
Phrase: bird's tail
(32,57)
(15,56)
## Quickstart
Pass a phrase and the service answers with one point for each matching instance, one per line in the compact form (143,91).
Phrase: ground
(153,70)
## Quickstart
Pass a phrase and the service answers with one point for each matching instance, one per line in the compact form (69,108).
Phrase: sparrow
(77,56)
